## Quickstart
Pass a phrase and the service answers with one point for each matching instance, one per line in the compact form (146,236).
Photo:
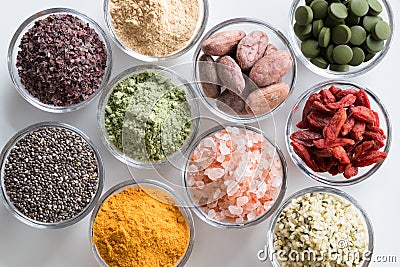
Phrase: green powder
(147,117)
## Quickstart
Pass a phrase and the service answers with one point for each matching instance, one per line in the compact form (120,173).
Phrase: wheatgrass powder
(147,117)
(154,27)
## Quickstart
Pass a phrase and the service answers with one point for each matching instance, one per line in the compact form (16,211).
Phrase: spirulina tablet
(375,8)
(319,8)
(359,7)
(342,54)
(329,53)
(310,48)
(358,35)
(358,57)
(381,31)
(337,11)
(369,22)
(341,34)
(369,56)
(304,15)
(324,37)
(302,31)
(339,68)
(320,62)
(372,45)
(317,27)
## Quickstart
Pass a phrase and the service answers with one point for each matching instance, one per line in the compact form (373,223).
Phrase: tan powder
(154,27)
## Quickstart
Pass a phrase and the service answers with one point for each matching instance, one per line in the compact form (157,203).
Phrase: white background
(22,246)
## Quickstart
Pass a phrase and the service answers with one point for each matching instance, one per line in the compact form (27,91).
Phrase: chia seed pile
(51,174)
(61,61)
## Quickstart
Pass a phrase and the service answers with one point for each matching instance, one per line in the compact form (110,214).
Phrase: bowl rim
(318,177)
(221,26)
(319,189)
(294,41)
(61,224)
(198,32)
(226,225)
(186,213)
(191,99)
(23,28)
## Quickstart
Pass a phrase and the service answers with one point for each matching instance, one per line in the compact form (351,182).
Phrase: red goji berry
(343,93)
(341,154)
(308,107)
(363,114)
(345,102)
(362,148)
(318,119)
(327,96)
(350,171)
(303,153)
(332,129)
(322,144)
(362,99)
(347,126)
(369,158)
(358,130)
(324,109)
(334,90)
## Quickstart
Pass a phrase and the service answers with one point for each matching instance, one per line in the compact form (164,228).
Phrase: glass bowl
(224,223)
(176,80)
(200,27)
(276,38)
(151,185)
(273,255)
(295,117)
(13,51)
(387,15)
(57,225)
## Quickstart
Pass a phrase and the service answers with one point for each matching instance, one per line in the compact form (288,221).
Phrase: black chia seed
(51,174)
(61,60)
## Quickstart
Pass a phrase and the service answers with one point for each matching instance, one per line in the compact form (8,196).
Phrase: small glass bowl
(272,255)
(13,51)
(387,15)
(295,117)
(200,27)
(37,224)
(223,224)
(276,38)
(151,185)
(178,81)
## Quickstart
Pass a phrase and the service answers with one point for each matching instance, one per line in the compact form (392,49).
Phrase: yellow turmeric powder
(140,227)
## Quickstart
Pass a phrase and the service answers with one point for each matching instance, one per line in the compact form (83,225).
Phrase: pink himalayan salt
(235,175)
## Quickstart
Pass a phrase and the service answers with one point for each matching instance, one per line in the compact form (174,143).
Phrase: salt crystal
(235,210)
(217,193)
(241,201)
(251,216)
(209,142)
(199,184)
(262,187)
(224,149)
(193,168)
(221,158)
(214,173)
(239,220)
(211,213)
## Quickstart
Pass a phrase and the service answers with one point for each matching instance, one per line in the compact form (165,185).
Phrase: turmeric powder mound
(140,227)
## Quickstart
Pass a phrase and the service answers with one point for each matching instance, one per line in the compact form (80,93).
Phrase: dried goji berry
(377,121)
(322,144)
(324,153)
(308,107)
(327,96)
(347,126)
(322,164)
(362,148)
(339,153)
(350,171)
(303,153)
(362,99)
(376,137)
(332,129)
(334,90)
(358,130)
(343,93)
(305,137)
(318,119)
(345,102)
(369,158)
(324,109)
(363,114)
(334,170)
